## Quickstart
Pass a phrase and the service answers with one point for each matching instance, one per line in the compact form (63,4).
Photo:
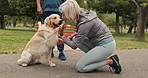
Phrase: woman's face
(63,16)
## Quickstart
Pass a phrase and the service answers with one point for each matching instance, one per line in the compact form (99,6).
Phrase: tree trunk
(117,24)
(130,29)
(14,21)
(25,24)
(135,27)
(33,25)
(2,26)
(141,22)
(123,26)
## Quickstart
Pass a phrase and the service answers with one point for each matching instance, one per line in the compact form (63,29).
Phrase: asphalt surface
(134,64)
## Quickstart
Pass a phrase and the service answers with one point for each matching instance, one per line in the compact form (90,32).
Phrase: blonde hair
(71,9)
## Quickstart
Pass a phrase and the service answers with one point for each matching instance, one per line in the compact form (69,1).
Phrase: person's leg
(61,46)
(61,54)
(96,57)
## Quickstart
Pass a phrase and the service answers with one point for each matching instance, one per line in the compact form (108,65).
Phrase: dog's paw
(52,65)
(24,65)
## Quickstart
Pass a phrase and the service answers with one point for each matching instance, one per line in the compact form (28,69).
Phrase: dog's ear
(48,21)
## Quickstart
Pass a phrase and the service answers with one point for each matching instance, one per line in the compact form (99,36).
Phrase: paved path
(134,63)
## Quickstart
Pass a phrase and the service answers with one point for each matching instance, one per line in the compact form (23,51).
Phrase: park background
(126,19)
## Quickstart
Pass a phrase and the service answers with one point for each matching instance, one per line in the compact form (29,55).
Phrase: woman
(92,36)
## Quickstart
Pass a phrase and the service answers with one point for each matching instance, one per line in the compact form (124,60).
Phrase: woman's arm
(76,39)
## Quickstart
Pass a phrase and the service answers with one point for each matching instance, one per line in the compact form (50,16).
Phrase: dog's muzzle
(60,22)
(57,25)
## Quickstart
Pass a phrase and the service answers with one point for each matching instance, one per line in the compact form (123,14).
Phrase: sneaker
(62,56)
(116,66)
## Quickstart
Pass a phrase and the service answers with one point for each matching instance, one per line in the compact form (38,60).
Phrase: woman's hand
(62,37)
(60,41)
(61,28)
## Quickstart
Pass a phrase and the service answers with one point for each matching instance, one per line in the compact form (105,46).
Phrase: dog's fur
(41,43)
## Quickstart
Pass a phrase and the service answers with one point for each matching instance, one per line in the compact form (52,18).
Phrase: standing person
(46,8)
(92,36)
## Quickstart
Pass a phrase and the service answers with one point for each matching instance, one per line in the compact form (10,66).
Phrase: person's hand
(60,41)
(61,28)
(62,37)
(40,10)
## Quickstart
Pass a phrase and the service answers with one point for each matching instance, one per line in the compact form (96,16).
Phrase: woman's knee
(80,68)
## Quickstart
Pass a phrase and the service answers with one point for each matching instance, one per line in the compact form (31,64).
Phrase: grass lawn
(126,41)
(13,40)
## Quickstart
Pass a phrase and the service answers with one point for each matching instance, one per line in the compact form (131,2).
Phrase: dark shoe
(62,56)
(52,55)
(116,65)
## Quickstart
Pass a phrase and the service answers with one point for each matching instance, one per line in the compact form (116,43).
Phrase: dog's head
(53,21)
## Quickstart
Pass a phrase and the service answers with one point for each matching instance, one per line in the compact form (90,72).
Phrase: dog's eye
(55,17)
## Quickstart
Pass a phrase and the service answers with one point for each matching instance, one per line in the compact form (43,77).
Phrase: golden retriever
(42,42)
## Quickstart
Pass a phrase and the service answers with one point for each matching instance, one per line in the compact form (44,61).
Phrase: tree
(4,8)
(82,3)
(141,7)
(28,8)
(119,7)
(129,19)
(23,9)
(14,13)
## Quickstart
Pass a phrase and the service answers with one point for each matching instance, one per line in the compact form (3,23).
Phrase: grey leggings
(95,55)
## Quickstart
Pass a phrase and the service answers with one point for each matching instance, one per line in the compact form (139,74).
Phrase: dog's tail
(19,61)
